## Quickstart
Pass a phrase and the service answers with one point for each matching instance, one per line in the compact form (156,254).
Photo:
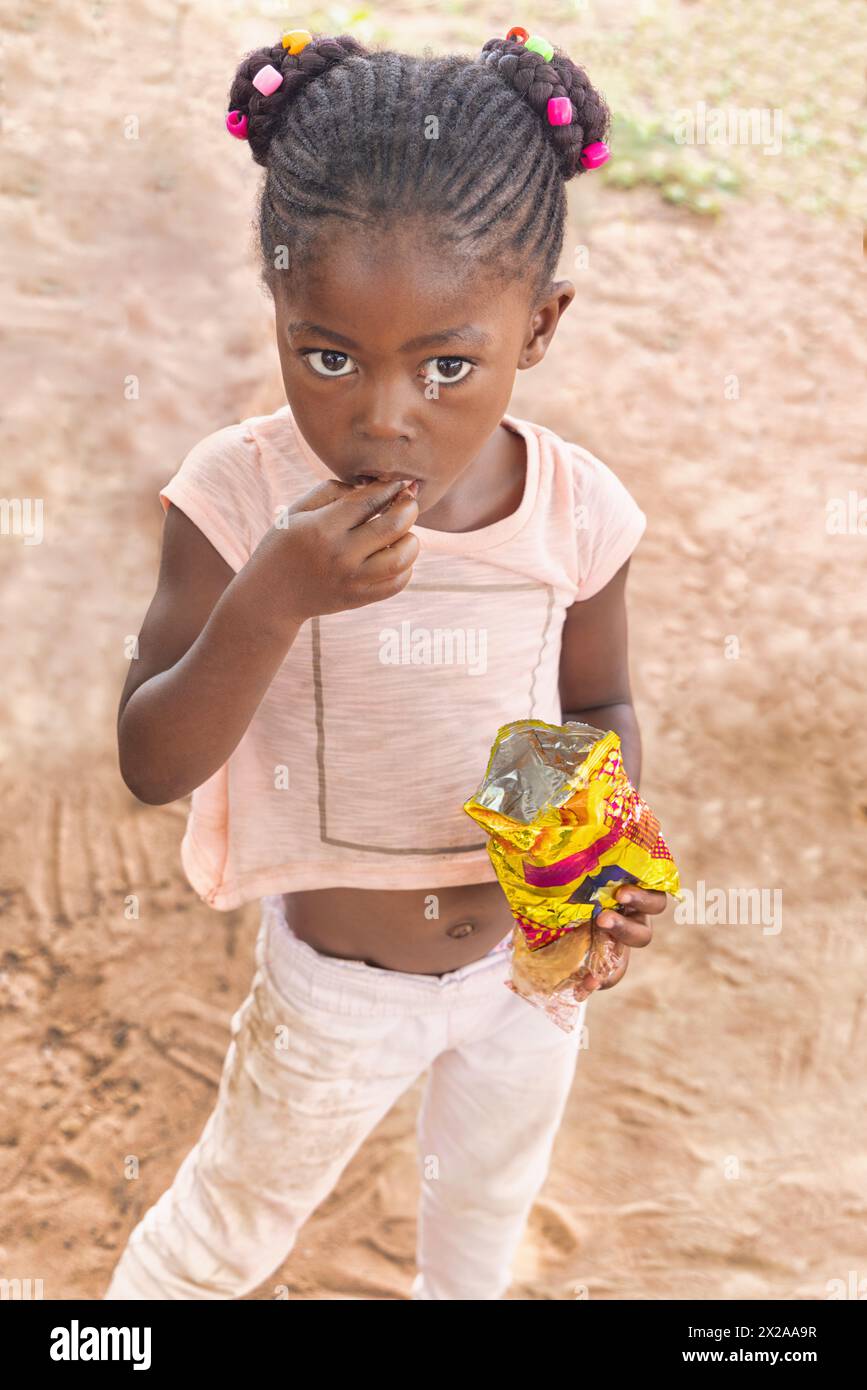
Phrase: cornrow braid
(367,137)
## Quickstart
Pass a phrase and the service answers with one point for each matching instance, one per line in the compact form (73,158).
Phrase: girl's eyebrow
(466,333)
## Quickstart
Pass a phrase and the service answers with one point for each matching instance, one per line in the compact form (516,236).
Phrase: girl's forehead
(395,288)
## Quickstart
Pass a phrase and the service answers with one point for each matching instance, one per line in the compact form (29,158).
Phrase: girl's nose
(384,414)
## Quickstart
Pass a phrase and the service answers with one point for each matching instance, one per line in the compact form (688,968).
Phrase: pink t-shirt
(378,725)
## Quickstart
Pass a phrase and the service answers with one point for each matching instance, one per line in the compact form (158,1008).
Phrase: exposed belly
(397,930)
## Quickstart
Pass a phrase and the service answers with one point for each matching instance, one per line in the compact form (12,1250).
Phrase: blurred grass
(643,152)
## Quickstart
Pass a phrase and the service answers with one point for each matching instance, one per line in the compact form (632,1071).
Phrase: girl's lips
(361,478)
(384,478)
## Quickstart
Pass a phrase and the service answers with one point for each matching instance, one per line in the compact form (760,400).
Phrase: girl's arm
(209,647)
(594,688)
(213,640)
(594,669)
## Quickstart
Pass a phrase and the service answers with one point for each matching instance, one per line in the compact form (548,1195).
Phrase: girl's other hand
(630,926)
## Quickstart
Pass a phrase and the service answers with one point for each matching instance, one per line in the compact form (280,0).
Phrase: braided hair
(367,136)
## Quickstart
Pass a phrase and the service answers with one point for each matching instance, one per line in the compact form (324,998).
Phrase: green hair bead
(540,45)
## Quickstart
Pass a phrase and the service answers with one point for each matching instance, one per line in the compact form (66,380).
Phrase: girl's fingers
(618,973)
(592,982)
(630,927)
(641,899)
(632,931)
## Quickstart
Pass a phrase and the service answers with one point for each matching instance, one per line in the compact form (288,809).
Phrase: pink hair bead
(559,111)
(595,154)
(236,124)
(267,80)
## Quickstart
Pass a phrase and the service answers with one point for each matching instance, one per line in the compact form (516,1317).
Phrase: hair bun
(536,80)
(265,113)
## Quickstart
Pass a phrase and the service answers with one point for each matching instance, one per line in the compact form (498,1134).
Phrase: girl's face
(397,365)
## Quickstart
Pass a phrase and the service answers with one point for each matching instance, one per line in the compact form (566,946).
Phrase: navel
(462,929)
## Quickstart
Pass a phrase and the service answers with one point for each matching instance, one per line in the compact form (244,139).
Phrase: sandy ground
(715,1143)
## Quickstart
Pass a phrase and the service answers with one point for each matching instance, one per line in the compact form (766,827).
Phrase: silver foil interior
(532,766)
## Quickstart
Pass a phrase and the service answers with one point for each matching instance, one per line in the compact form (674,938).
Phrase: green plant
(643,152)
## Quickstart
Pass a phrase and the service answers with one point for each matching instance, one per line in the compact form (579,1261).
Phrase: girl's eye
(449,370)
(332,361)
(450,366)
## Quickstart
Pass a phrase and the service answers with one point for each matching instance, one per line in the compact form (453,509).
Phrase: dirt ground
(715,1143)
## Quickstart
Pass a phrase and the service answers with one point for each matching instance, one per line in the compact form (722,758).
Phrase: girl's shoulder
(258,441)
(592,480)
(606,519)
(232,481)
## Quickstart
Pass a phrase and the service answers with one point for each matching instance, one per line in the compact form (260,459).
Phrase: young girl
(355,593)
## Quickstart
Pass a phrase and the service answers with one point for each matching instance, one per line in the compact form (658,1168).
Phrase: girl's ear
(562,294)
(543,323)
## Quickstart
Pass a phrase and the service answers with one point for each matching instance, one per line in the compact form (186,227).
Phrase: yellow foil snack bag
(565,828)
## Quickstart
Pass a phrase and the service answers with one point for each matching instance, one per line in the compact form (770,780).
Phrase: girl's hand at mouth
(342,546)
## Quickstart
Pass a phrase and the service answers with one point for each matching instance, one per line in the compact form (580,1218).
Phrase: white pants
(321,1049)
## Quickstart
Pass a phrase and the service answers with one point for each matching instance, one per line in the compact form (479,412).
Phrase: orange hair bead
(296,39)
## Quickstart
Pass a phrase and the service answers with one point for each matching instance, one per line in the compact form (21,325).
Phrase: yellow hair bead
(296,39)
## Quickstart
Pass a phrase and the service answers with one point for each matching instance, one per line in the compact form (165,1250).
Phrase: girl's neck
(490,490)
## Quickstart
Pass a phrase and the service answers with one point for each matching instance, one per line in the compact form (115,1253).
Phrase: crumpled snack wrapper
(565,828)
